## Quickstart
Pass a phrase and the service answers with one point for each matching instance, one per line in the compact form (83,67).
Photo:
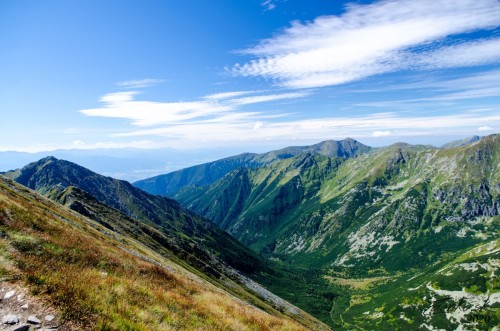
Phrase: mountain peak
(46,159)
(461,142)
(204,174)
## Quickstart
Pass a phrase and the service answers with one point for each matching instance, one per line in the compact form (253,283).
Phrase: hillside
(115,274)
(187,233)
(207,173)
(387,214)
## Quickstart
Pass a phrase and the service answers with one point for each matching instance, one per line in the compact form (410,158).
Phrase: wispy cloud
(267,98)
(417,92)
(227,95)
(461,55)
(382,37)
(149,113)
(485,128)
(254,128)
(377,134)
(140,83)
(268,4)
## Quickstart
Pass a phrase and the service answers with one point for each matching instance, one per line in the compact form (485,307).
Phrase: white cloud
(255,128)
(268,5)
(78,143)
(227,95)
(268,97)
(376,38)
(258,125)
(381,133)
(427,90)
(485,128)
(140,83)
(149,113)
(461,55)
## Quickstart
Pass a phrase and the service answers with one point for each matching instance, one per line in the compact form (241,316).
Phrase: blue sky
(251,74)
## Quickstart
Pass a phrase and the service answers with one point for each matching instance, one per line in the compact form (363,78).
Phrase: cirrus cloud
(140,83)
(208,108)
(377,38)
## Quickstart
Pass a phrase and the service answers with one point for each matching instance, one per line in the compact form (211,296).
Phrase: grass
(96,284)
(357,283)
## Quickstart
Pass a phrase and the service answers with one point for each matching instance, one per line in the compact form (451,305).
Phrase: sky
(249,74)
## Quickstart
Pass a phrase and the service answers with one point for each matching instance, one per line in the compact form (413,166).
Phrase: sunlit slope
(101,277)
(393,209)
(189,233)
(373,227)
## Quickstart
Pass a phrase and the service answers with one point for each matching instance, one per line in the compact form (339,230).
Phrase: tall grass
(95,284)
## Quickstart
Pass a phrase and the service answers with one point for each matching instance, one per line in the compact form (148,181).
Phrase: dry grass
(97,285)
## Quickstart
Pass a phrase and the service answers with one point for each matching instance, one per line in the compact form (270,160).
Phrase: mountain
(106,271)
(207,173)
(188,233)
(200,244)
(461,142)
(367,222)
(123,163)
(400,237)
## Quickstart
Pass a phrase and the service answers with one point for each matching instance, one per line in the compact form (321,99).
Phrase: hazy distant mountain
(461,142)
(171,183)
(123,163)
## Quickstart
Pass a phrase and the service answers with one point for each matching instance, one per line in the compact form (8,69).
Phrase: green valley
(366,223)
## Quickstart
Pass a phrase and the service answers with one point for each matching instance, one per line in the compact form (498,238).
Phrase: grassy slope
(187,233)
(101,279)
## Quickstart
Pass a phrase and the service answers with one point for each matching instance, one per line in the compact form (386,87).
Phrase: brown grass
(97,285)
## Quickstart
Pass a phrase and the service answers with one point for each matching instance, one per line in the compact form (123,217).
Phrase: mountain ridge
(461,142)
(184,226)
(378,218)
(101,273)
(171,183)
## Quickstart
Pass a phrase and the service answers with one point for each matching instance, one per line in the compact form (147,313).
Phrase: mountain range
(207,173)
(129,164)
(377,214)
(391,238)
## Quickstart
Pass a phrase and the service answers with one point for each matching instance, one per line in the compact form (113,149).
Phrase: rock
(20,297)
(10,319)
(49,318)
(9,294)
(22,328)
(33,320)
(25,306)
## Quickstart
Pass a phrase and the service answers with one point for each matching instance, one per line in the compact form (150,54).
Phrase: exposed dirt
(17,302)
